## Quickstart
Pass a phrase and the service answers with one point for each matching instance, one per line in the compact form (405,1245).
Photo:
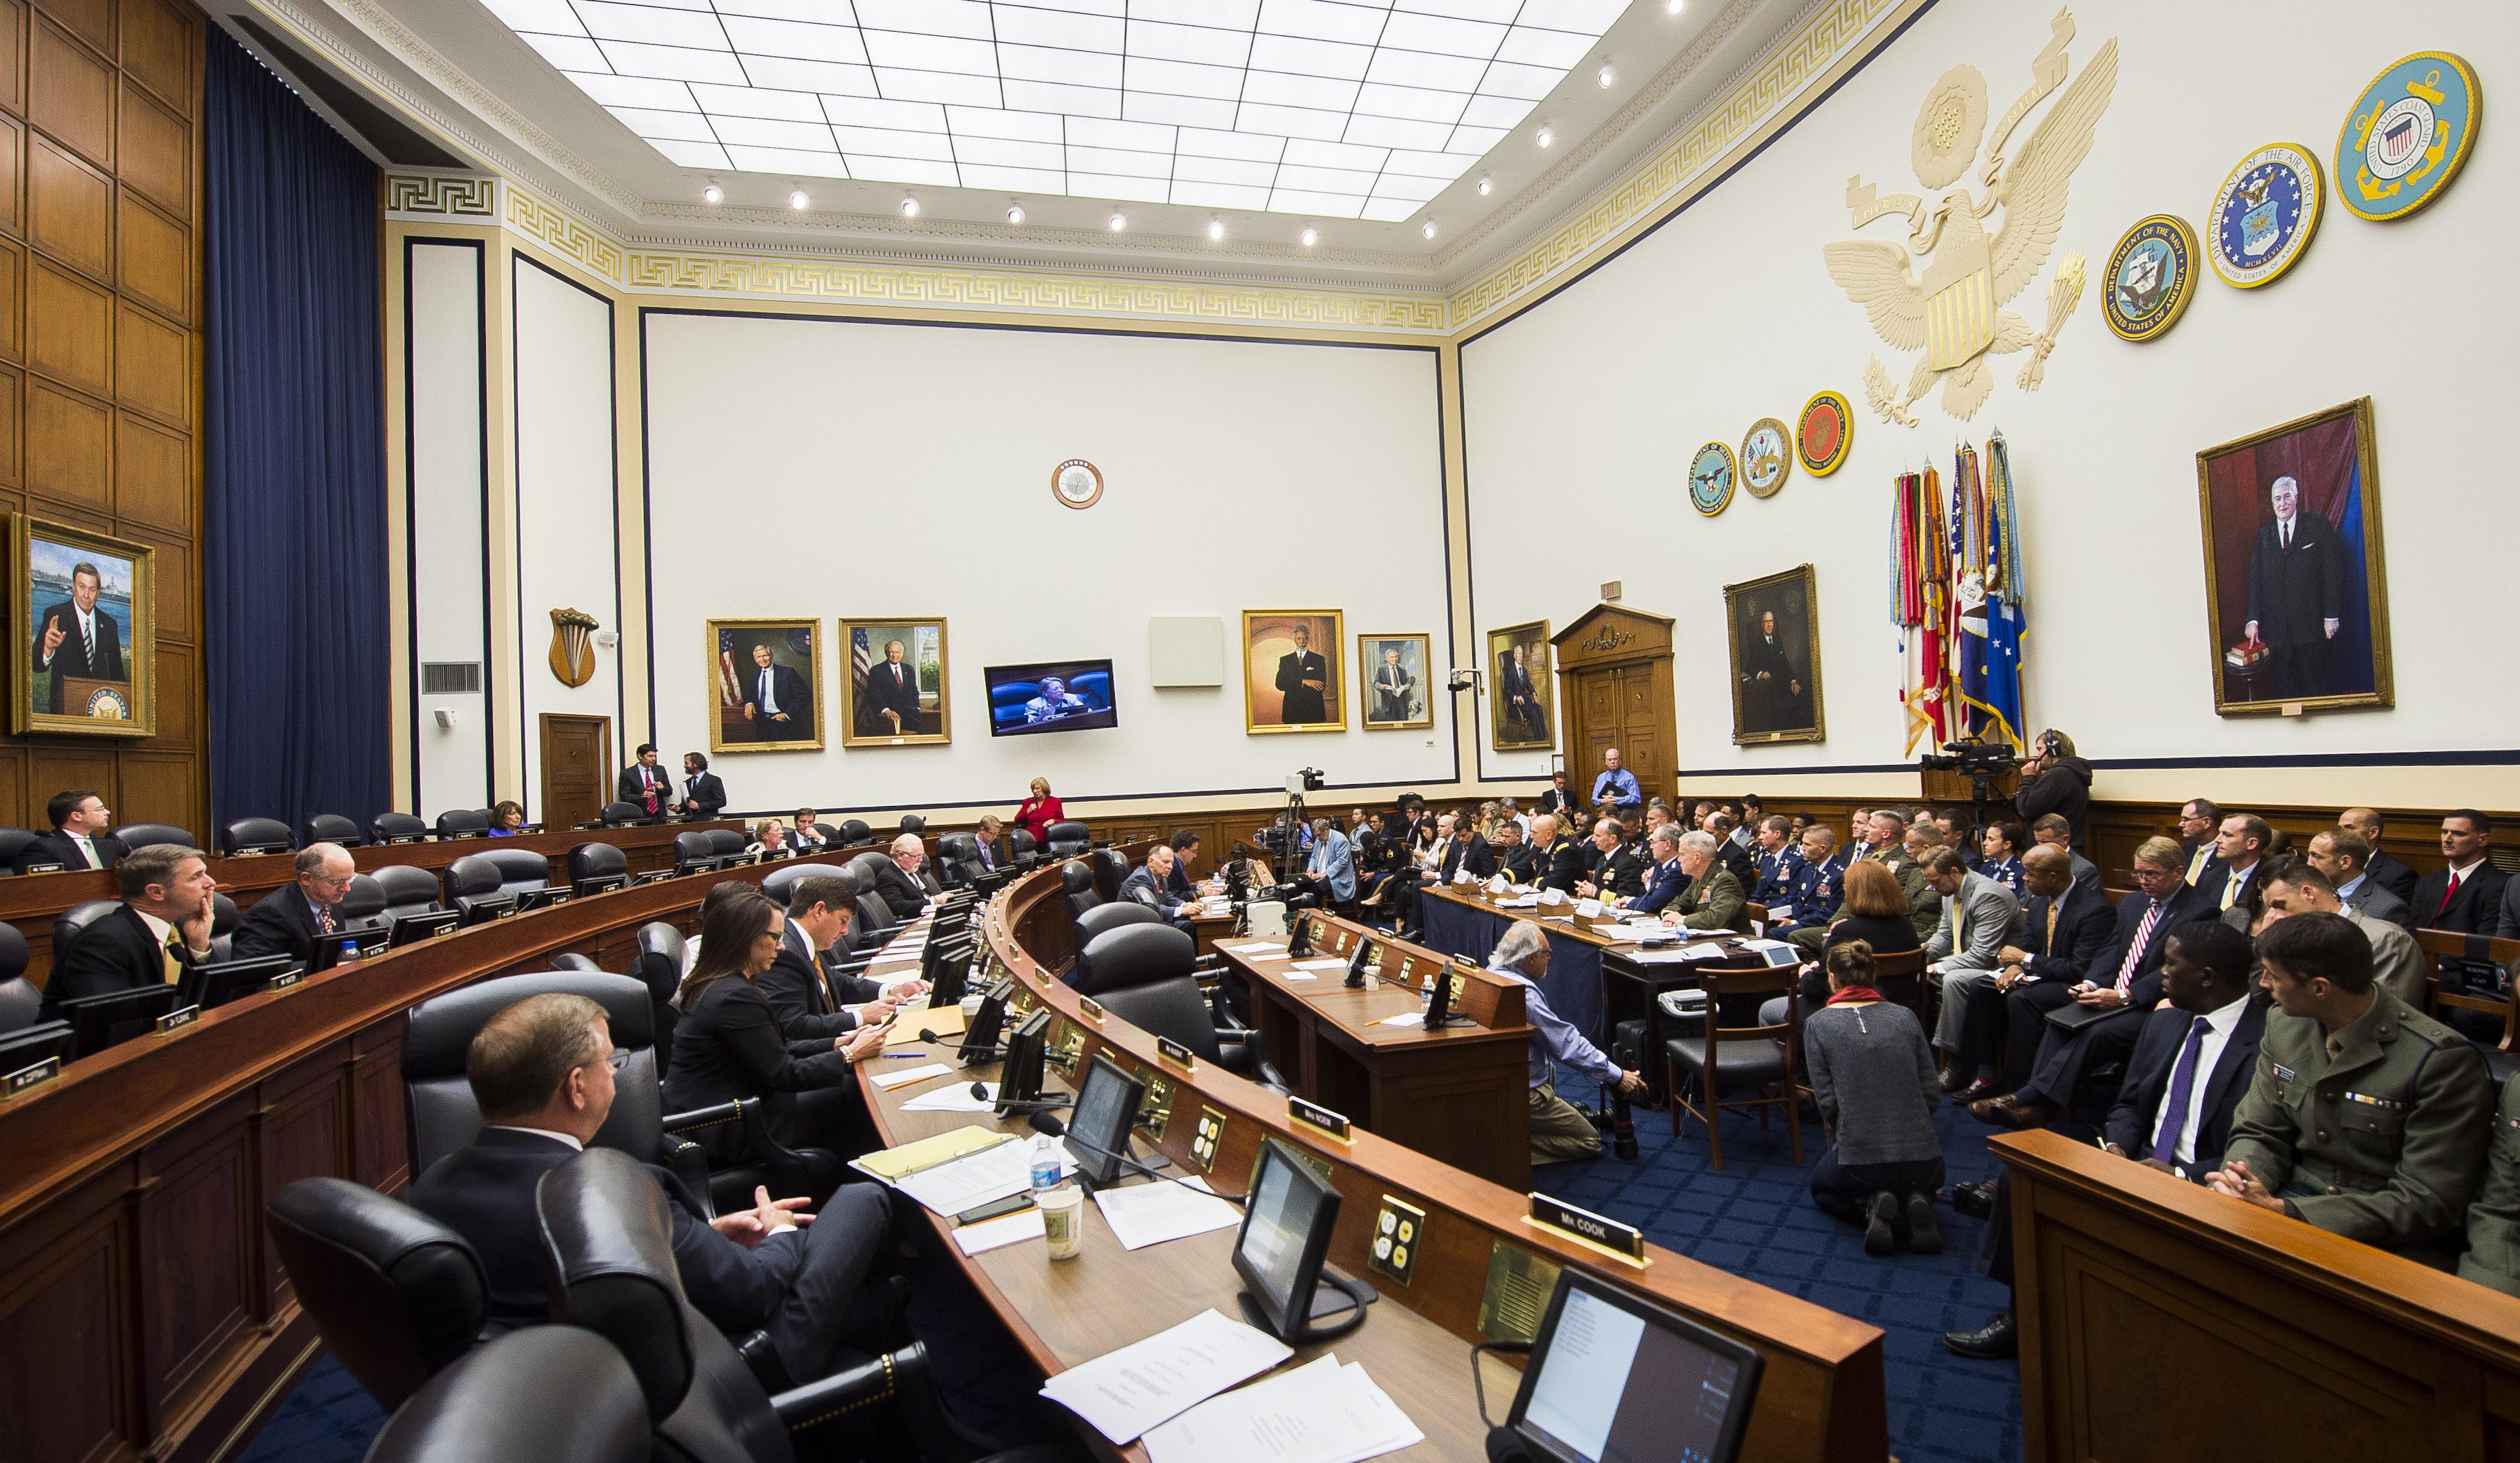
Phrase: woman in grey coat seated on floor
(1873,1075)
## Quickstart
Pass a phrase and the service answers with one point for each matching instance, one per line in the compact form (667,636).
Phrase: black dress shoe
(1980,1087)
(1880,1218)
(1995,1341)
(1976,1200)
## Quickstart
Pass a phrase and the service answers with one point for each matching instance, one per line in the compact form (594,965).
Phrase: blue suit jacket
(1664,882)
(2086,925)
(2187,903)
(2148,1083)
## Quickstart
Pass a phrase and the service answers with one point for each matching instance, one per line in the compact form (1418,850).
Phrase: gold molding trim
(452,195)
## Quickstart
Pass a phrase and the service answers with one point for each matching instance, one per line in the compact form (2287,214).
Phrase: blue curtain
(294,580)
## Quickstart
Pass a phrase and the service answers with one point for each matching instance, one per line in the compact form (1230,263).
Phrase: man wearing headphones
(2055,780)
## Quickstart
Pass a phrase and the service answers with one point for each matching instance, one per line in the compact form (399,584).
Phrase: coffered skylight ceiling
(1341,109)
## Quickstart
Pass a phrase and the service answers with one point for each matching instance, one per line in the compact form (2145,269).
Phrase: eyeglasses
(619,1059)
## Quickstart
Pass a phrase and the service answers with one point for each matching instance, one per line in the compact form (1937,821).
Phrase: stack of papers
(991,1235)
(1150,1382)
(968,1182)
(919,1073)
(1320,1413)
(1154,1212)
(1257,948)
(954,1098)
(1334,963)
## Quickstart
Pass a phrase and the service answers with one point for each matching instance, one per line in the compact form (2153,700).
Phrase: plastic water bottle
(350,950)
(1045,1161)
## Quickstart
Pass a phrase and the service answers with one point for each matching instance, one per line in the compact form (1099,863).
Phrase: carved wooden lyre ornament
(572,647)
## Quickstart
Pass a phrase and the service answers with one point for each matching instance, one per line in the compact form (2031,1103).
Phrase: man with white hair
(896,880)
(1558,1132)
(2296,591)
(301,919)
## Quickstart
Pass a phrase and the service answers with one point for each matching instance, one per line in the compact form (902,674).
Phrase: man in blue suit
(1665,881)
(2066,929)
(1332,867)
(1814,892)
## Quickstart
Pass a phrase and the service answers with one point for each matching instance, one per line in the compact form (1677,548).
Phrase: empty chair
(725,841)
(495,1402)
(958,859)
(1077,881)
(1068,837)
(854,832)
(569,959)
(78,916)
(333,827)
(1022,845)
(18,998)
(397,1295)
(137,836)
(363,907)
(1142,974)
(911,822)
(1111,870)
(691,850)
(1751,1059)
(597,860)
(621,814)
(407,891)
(397,827)
(464,823)
(1102,917)
(469,880)
(253,835)
(520,868)
(13,848)
(659,967)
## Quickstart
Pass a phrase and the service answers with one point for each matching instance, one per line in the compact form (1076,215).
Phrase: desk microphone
(1039,1107)
(1050,1124)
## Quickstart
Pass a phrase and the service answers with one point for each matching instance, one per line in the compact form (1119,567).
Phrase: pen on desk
(907,1053)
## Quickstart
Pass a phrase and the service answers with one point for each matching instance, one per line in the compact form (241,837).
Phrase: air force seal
(2406,136)
(2152,275)
(2264,215)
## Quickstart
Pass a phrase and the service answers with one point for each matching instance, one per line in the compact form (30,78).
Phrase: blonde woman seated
(770,840)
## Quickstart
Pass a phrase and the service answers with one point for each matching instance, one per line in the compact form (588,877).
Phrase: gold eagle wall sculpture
(1952,310)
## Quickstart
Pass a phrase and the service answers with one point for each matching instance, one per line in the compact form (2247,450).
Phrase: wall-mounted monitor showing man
(1051,696)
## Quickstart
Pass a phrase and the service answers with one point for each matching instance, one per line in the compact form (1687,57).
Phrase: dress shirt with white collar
(2219,1025)
(543,1132)
(2345,891)
(86,845)
(769,683)
(161,931)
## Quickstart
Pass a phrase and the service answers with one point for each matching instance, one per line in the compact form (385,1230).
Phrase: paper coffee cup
(1062,1220)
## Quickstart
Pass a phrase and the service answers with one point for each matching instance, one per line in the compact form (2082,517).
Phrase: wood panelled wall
(100,351)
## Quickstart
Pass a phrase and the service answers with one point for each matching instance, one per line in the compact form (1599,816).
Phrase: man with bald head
(301,920)
(2387,870)
(2063,931)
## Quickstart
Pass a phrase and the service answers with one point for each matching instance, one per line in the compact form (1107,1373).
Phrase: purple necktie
(2183,1085)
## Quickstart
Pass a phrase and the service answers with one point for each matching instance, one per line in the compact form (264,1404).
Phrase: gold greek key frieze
(450,194)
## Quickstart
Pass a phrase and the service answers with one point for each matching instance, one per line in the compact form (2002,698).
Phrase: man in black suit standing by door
(2296,591)
(645,783)
(777,701)
(891,704)
(161,933)
(76,639)
(1302,677)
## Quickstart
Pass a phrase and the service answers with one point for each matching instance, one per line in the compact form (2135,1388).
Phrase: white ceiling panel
(1297,101)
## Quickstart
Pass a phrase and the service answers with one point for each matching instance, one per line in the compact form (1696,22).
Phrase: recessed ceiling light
(1677,6)
(712,193)
(1546,137)
(1430,229)
(1216,228)
(909,206)
(796,199)
(1486,186)
(1120,220)
(1312,236)
(1015,213)
(1608,76)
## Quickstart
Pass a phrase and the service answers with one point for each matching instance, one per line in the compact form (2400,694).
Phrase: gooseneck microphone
(1050,1124)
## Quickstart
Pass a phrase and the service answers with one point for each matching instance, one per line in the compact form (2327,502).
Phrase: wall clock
(1076,482)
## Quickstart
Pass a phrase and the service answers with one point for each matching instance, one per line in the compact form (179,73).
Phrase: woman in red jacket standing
(1039,812)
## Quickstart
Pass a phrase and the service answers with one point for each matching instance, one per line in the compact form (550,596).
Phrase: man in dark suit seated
(2465,895)
(1514,855)
(645,784)
(160,934)
(542,1071)
(2189,1070)
(1465,852)
(2198,820)
(299,921)
(2120,985)
(2343,855)
(897,882)
(2065,930)
(1608,869)
(78,839)
(2386,869)
(803,995)
(1559,799)
(1152,885)
(703,796)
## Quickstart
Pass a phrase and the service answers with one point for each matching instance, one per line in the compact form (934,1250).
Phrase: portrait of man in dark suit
(1301,678)
(1519,693)
(768,684)
(1775,658)
(84,611)
(2296,593)
(895,691)
(1291,661)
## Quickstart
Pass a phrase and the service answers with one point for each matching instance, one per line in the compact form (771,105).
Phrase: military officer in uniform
(1778,863)
(1615,871)
(2493,1255)
(2366,1117)
(1889,839)
(1814,893)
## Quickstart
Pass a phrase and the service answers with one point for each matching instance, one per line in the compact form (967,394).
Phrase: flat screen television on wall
(1053,695)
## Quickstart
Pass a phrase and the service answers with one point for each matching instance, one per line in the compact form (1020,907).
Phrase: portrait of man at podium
(88,602)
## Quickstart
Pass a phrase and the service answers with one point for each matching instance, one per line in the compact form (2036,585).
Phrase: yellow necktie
(174,960)
(2231,890)
(2196,860)
(2054,906)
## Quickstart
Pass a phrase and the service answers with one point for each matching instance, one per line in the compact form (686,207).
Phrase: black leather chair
(408,890)
(622,815)
(469,880)
(1022,845)
(660,969)
(911,822)
(141,835)
(363,907)
(256,835)
(597,860)
(854,833)
(397,827)
(958,859)
(1110,871)
(397,1295)
(12,847)
(569,959)
(520,868)
(19,1001)
(691,850)
(725,841)
(1068,838)
(781,882)
(333,827)
(1141,973)
(225,917)
(496,1403)
(78,916)
(1076,880)
(1102,917)
(464,823)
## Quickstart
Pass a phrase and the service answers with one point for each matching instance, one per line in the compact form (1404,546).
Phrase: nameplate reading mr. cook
(1586,1225)
(1314,1115)
(1174,1051)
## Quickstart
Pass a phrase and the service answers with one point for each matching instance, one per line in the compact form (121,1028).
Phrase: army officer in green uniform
(2366,1117)
(2493,1255)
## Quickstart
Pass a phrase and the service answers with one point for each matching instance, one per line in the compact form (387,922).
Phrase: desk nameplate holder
(27,1078)
(1319,1119)
(1156,1106)
(288,981)
(1089,1009)
(1399,1232)
(1174,1051)
(175,1021)
(1620,1242)
(1209,1137)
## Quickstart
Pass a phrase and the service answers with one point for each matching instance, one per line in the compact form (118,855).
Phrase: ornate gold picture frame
(86,604)
(741,653)
(1285,653)
(896,686)
(1394,688)
(1771,626)
(1523,694)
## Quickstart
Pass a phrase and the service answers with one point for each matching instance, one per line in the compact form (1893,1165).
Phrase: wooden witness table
(1821,1398)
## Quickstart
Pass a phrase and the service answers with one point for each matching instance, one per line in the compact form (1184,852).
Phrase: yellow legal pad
(927,1153)
(944,1021)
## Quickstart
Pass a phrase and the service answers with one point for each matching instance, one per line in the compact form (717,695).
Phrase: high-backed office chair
(520,868)
(1076,881)
(333,827)
(136,836)
(495,1402)
(256,835)
(691,850)
(19,1001)
(363,905)
(225,917)
(958,859)
(725,841)
(1141,973)
(408,890)
(1102,917)
(12,847)
(854,832)
(78,916)
(660,969)
(464,823)
(597,860)
(781,882)
(469,880)
(1068,838)
(569,959)
(622,815)
(397,827)
(911,822)
(1111,870)
(1022,845)
(397,1295)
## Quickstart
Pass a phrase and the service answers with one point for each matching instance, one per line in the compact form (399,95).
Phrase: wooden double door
(1614,689)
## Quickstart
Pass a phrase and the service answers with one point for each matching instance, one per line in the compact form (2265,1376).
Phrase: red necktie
(322,920)
(2136,947)
(2448,893)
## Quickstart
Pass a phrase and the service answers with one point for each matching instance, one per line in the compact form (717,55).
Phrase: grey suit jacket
(2506,926)
(2397,962)
(2376,901)
(1990,909)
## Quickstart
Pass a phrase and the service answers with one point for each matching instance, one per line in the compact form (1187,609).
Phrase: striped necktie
(2136,947)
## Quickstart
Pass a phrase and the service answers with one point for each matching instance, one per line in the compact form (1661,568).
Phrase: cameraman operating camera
(2055,780)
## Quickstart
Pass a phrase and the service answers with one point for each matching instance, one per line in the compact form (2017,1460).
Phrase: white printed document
(1337,963)
(1320,1413)
(997,1234)
(989,1174)
(1126,1391)
(919,1073)
(955,1097)
(1154,1212)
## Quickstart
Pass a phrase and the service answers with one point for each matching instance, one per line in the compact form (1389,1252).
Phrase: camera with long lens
(1304,780)
(1973,759)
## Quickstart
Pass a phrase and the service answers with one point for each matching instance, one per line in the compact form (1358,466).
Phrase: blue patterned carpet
(1754,1219)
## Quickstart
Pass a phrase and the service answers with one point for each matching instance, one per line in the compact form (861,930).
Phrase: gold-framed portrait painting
(1292,678)
(894,692)
(2296,599)
(1523,694)
(1773,627)
(88,602)
(1391,681)
(766,679)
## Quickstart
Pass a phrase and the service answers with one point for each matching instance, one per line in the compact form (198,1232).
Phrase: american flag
(730,691)
(860,655)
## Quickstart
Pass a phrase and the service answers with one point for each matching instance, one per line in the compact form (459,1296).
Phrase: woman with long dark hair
(728,1045)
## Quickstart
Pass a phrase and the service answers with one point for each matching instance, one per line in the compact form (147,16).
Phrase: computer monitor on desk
(210,986)
(97,1022)
(1613,1376)
(410,929)
(1287,1225)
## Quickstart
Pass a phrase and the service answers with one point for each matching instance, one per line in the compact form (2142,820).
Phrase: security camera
(1461,679)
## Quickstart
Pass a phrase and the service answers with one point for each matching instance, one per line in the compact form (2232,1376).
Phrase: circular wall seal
(2407,136)
(1767,456)
(2265,214)
(1823,432)
(2151,276)
(1076,482)
(1710,479)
